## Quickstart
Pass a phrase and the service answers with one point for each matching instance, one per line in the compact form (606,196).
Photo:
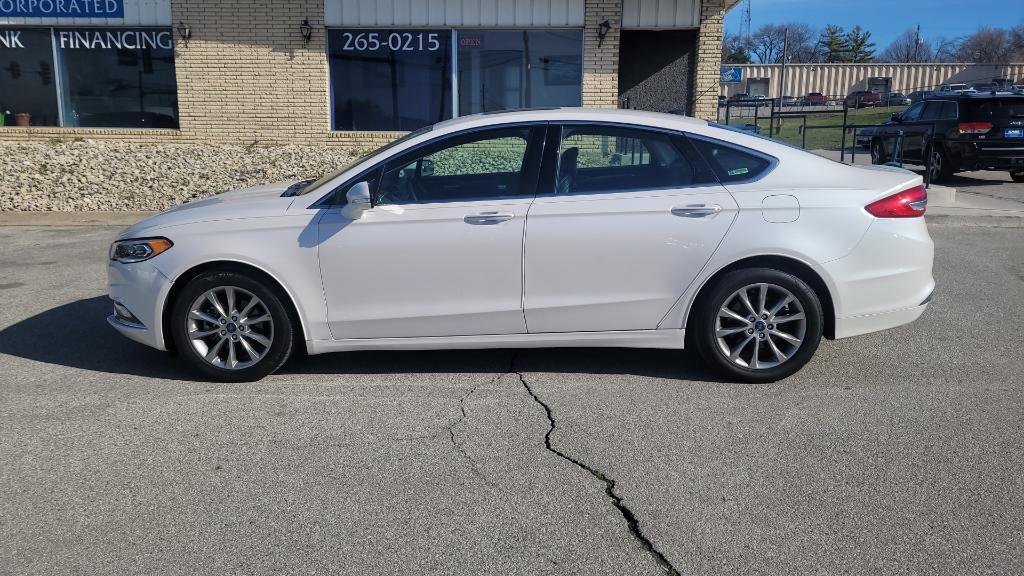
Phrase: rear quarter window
(731,164)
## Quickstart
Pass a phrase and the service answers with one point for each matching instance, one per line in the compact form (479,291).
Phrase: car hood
(252,202)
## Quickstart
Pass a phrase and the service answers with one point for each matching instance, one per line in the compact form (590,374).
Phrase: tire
(762,336)
(941,167)
(1017,176)
(878,155)
(259,342)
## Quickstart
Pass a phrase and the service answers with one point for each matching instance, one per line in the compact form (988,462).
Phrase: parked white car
(564,227)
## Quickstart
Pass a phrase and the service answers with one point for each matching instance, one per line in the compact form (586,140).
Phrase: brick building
(351,72)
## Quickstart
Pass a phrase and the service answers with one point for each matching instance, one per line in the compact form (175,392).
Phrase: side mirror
(897,117)
(426,167)
(357,201)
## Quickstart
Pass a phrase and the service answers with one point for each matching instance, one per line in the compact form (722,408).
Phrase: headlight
(139,249)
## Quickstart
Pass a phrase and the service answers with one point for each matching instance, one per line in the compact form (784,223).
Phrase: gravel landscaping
(84,175)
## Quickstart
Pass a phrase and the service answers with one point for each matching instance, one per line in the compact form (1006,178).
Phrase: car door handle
(487,218)
(696,210)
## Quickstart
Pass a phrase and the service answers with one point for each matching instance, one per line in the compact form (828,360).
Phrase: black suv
(972,132)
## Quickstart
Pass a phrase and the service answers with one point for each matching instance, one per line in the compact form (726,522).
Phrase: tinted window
(608,159)
(997,110)
(932,110)
(472,166)
(914,112)
(507,69)
(27,78)
(389,79)
(117,77)
(729,163)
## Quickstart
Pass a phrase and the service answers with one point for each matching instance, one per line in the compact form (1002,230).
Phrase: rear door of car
(630,216)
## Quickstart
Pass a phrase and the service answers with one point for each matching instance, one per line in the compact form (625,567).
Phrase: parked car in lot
(951,89)
(542,228)
(864,136)
(815,99)
(895,99)
(862,99)
(791,101)
(971,132)
(917,96)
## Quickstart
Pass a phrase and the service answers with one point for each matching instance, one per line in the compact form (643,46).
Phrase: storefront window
(506,69)
(389,79)
(117,77)
(28,96)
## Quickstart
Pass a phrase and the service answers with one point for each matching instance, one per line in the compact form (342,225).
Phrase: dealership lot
(897,452)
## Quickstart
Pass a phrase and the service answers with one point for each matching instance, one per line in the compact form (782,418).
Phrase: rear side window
(939,110)
(729,163)
(594,159)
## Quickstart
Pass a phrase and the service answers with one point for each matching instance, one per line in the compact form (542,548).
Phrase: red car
(863,98)
(815,99)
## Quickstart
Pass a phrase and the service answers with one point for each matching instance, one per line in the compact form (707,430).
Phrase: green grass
(788,129)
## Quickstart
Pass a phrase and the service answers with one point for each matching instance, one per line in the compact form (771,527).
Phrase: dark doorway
(656,69)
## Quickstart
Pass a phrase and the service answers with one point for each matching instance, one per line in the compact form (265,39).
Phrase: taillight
(974,127)
(910,203)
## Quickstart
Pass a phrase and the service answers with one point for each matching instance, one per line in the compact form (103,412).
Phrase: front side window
(594,159)
(389,80)
(914,112)
(507,69)
(117,77)
(28,95)
(730,163)
(474,166)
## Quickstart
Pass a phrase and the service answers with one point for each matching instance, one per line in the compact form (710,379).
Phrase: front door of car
(910,124)
(439,253)
(631,217)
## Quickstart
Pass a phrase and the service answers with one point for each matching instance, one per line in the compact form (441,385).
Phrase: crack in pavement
(462,417)
(609,484)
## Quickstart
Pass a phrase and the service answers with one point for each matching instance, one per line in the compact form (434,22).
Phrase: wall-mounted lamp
(602,31)
(307,31)
(184,33)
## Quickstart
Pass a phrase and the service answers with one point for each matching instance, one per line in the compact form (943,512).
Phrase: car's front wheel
(231,327)
(757,325)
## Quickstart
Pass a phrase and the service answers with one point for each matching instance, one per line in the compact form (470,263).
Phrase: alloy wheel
(935,170)
(760,326)
(230,327)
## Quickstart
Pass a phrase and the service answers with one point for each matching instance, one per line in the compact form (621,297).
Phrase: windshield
(308,186)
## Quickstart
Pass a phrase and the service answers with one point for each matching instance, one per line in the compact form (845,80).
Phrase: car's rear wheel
(231,327)
(941,168)
(1017,176)
(757,325)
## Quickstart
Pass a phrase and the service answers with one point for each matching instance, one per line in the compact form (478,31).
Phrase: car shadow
(76,335)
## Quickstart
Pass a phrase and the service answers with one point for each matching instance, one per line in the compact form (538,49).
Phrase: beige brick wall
(709,57)
(245,76)
(601,65)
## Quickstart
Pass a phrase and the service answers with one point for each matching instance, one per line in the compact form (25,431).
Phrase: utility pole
(917,43)
(785,56)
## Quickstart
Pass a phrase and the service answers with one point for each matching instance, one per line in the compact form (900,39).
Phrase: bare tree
(907,47)
(945,49)
(735,49)
(766,43)
(987,45)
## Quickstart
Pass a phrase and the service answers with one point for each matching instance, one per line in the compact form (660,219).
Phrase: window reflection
(507,69)
(27,89)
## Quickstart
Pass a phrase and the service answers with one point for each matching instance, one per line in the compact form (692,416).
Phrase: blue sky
(885,18)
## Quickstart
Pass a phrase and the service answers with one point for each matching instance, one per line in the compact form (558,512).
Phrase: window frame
(553,143)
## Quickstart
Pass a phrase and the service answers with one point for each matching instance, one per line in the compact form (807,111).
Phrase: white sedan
(564,227)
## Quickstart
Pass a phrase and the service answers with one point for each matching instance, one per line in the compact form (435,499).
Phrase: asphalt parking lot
(893,453)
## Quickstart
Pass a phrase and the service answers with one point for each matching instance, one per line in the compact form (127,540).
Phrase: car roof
(640,117)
